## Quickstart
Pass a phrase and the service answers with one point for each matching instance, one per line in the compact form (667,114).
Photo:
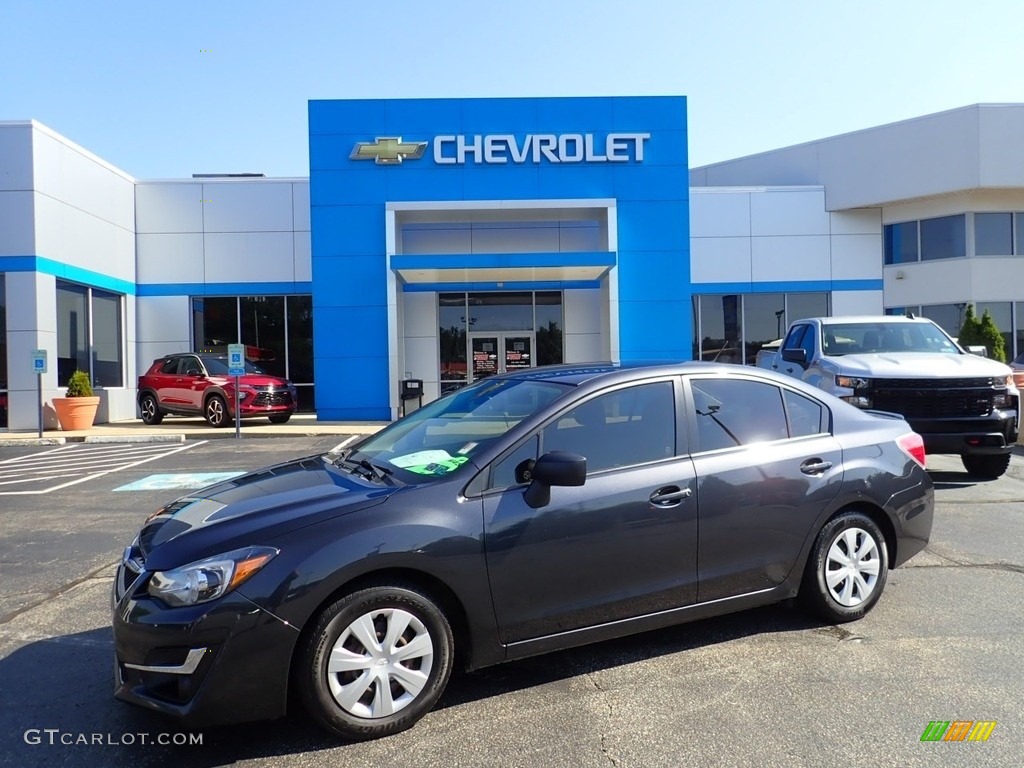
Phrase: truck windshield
(869,338)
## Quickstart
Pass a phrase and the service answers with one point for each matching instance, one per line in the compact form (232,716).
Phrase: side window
(190,367)
(621,428)
(732,412)
(515,467)
(170,366)
(805,415)
(807,342)
(795,337)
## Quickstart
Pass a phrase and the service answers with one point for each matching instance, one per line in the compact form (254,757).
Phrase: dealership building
(446,240)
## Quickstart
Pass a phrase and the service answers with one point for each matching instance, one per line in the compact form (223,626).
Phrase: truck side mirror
(797,355)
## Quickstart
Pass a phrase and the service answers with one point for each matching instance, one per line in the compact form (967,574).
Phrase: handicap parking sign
(39,361)
(236,359)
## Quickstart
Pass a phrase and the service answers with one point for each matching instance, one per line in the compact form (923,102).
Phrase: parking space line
(61,463)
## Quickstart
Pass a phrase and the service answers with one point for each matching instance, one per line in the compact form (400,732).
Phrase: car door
(621,545)
(766,466)
(192,382)
(164,383)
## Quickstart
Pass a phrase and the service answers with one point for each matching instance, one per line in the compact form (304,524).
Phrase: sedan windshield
(442,436)
(868,338)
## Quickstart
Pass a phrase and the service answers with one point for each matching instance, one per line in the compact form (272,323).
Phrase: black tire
(151,413)
(279,418)
(986,465)
(374,608)
(851,595)
(216,411)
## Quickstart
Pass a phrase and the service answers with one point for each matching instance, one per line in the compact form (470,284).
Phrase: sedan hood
(918,365)
(253,509)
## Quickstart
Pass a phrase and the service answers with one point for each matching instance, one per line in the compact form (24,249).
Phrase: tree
(970,331)
(992,338)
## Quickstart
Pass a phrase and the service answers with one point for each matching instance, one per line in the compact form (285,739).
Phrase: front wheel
(216,411)
(847,569)
(375,662)
(986,465)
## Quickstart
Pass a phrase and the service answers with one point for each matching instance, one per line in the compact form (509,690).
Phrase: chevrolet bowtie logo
(388,150)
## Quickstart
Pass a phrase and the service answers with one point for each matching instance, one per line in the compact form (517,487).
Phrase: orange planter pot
(76,412)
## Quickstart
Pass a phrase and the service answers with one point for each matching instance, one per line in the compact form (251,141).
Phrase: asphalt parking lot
(767,688)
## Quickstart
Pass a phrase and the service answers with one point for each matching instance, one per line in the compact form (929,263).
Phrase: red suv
(192,384)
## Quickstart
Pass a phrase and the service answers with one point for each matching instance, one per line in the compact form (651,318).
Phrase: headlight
(208,579)
(853,382)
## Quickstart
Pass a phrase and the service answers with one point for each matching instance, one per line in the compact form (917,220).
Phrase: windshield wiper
(371,471)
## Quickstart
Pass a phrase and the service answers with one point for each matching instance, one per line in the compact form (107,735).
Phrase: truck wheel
(986,465)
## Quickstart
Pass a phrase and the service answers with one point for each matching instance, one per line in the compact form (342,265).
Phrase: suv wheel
(216,411)
(151,413)
(847,568)
(986,465)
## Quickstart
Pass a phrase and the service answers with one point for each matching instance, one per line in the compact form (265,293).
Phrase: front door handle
(815,466)
(664,497)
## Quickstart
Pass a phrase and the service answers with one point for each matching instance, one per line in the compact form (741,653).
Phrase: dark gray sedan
(529,512)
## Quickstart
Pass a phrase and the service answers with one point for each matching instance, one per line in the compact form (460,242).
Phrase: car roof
(576,374)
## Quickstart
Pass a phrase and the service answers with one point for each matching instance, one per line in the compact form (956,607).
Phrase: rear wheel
(847,569)
(151,413)
(279,418)
(375,662)
(216,411)
(986,465)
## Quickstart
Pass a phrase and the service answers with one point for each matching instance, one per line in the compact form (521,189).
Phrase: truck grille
(936,398)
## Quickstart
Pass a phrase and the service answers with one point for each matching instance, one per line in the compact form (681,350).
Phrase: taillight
(912,444)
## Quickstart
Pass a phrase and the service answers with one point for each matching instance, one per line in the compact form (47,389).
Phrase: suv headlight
(853,382)
(208,579)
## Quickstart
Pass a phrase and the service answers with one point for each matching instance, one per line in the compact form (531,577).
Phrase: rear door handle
(815,466)
(664,497)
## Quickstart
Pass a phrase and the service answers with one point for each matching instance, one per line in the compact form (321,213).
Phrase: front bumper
(223,662)
(996,433)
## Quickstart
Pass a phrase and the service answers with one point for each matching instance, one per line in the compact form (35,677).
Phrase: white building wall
(781,235)
(31,325)
(582,327)
(422,356)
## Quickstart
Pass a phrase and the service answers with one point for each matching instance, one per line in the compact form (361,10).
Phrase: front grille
(272,398)
(936,398)
(127,575)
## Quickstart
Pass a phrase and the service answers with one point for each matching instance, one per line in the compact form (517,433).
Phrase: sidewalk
(178,429)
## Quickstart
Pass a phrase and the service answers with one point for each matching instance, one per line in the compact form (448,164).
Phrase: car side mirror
(554,468)
(798,356)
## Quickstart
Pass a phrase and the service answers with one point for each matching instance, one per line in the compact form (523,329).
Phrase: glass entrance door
(494,353)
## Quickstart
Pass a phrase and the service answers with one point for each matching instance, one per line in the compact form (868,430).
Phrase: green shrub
(992,338)
(79,385)
(970,331)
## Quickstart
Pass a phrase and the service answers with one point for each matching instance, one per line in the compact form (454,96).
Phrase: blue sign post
(39,368)
(236,368)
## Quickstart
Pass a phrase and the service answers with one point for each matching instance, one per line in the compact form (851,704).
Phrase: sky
(168,89)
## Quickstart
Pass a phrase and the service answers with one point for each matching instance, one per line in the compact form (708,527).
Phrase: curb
(179,438)
(15,442)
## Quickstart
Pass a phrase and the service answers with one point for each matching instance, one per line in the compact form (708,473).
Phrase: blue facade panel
(541,149)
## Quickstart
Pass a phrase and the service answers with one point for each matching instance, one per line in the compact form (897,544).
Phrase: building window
(90,334)
(277,331)
(901,242)
(993,234)
(943,238)
(733,328)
